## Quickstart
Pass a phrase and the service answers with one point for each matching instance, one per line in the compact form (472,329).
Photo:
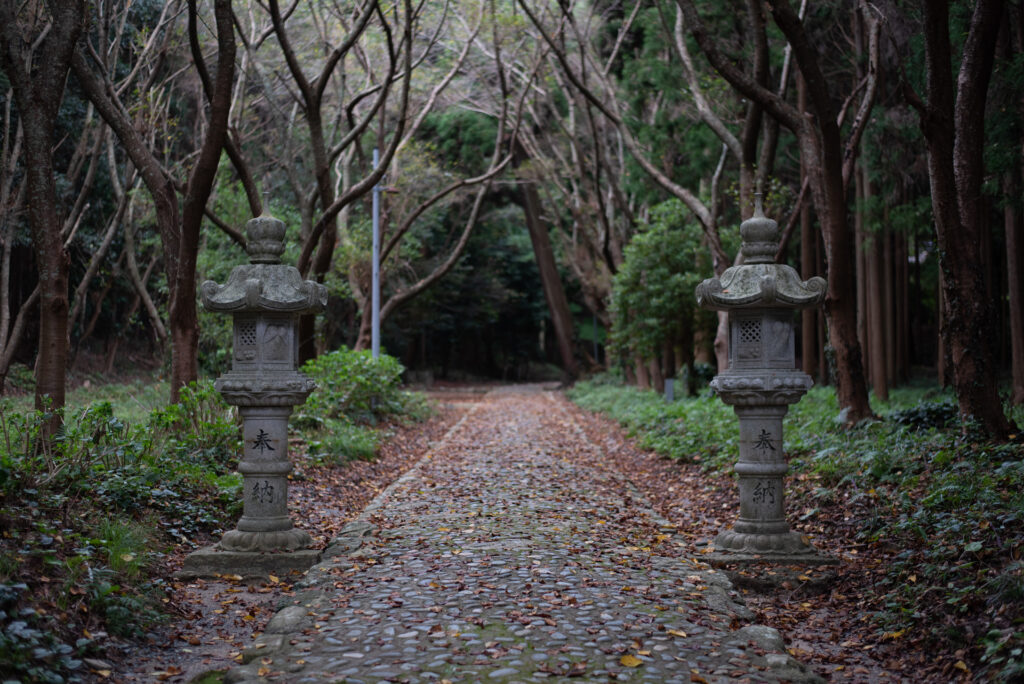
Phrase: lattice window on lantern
(247,333)
(750,331)
(747,337)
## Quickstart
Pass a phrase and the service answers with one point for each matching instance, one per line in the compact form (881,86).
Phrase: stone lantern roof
(265,284)
(759,282)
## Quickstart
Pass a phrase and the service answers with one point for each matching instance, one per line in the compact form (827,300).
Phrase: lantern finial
(760,236)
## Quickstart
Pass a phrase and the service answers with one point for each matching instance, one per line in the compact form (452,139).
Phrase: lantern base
(783,548)
(292,539)
(760,542)
(213,561)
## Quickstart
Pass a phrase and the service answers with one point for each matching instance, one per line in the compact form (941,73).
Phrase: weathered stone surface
(287,620)
(211,561)
(760,384)
(265,298)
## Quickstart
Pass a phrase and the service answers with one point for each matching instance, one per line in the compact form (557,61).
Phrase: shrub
(352,384)
(353,393)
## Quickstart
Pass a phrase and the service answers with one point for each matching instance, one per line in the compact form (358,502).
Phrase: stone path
(509,554)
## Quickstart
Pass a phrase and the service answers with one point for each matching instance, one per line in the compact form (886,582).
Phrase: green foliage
(927,415)
(954,506)
(652,293)
(91,508)
(335,441)
(28,651)
(465,137)
(352,384)
(354,392)
(698,430)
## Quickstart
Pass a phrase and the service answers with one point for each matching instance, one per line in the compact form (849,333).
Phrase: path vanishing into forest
(510,553)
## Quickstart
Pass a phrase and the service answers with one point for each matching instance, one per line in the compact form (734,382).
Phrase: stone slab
(210,561)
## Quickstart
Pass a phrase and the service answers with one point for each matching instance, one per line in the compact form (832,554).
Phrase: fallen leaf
(677,632)
(630,661)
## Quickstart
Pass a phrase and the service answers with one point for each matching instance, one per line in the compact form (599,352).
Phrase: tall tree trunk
(321,263)
(953,125)
(643,376)
(1015,281)
(554,293)
(808,317)
(38,82)
(877,330)
(902,309)
(827,159)
(808,263)
(862,255)
(824,370)
(888,299)
(841,300)
(183,319)
(1013,219)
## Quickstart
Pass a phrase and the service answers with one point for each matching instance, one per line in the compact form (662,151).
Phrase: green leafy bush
(338,440)
(28,650)
(352,384)
(701,429)
(354,392)
(652,292)
(86,509)
(928,414)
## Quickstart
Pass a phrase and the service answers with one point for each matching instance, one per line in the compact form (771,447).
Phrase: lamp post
(760,384)
(265,299)
(375,284)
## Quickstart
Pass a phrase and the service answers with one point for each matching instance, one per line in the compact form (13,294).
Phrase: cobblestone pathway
(509,555)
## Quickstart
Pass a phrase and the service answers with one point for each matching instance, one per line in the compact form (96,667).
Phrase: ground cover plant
(935,519)
(90,518)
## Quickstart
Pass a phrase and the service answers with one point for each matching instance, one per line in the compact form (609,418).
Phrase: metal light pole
(375,290)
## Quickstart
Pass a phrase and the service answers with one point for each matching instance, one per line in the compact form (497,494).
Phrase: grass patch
(947,510)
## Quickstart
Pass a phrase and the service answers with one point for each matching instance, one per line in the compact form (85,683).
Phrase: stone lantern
(265,298)
(760,384)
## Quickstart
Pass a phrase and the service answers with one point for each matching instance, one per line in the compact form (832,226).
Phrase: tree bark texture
(550,280)
(38,78)
(1015,280)
(953,126)
(183,319)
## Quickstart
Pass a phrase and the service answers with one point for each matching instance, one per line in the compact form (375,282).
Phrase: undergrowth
(355,395)
(947,510)
(87,517)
